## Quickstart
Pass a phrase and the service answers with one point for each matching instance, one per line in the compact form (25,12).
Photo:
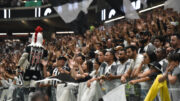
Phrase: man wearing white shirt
(110,60)
(136,60)
(124,62)
(110,69)
(123,66)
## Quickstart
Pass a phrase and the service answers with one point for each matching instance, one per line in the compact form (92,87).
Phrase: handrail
(23,8)
(30,18)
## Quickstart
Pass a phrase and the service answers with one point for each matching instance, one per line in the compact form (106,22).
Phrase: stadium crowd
(131,51)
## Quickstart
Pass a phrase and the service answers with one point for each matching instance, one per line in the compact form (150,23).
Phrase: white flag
(144,3)
(174,4)
(117,94)
(130,12)
(69,11)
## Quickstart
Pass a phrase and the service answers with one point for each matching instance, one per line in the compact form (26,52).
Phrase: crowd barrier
(77,92)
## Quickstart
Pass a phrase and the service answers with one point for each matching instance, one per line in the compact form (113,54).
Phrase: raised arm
(44,63)
(22,59)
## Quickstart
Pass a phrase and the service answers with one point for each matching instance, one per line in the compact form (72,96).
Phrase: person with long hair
(146,73)
(91,90)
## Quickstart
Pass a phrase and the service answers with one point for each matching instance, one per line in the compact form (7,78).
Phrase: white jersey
(19,80)
(56,72)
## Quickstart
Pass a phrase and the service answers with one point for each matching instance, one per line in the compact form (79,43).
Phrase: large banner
(117,94)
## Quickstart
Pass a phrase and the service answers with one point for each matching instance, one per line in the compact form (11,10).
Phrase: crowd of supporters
(130,51)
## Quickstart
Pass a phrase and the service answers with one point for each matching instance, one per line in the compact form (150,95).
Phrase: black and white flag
(68,10)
